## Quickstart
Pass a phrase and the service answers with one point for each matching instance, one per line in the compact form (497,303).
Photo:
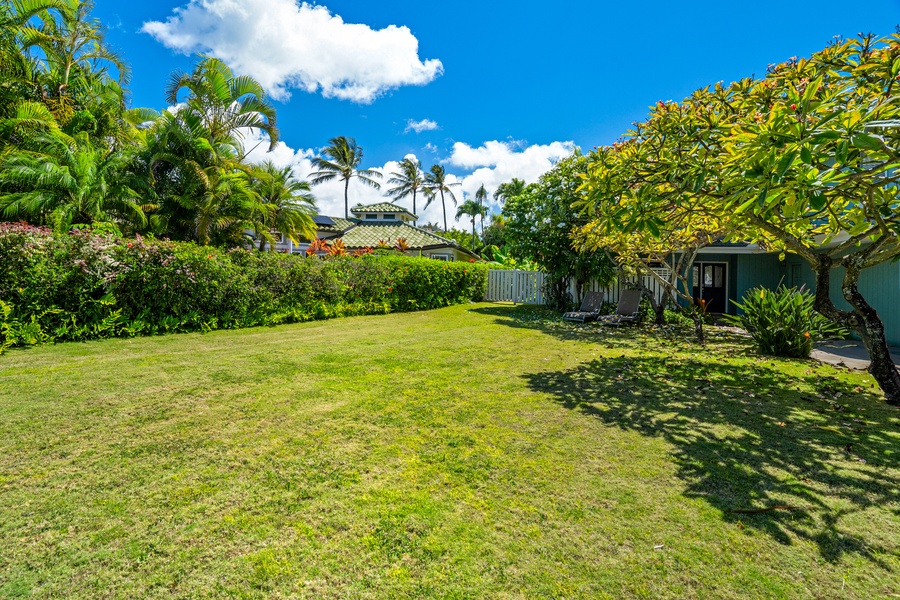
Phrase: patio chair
(590,308)
(628,310)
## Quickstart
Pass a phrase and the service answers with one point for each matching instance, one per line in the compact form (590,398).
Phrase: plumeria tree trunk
(862,320)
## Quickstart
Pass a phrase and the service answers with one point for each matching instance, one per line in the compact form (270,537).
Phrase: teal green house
(725,272)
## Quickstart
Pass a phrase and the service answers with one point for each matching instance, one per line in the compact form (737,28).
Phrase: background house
(381,222)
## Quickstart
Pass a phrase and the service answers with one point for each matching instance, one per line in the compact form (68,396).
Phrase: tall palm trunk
(414,206)
(444,206)
(346,198)
(473,233)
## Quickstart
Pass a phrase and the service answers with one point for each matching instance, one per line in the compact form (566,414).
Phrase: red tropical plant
(337,248)
(401,245)
(316,246)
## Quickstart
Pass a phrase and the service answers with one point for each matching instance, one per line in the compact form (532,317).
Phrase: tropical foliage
(539,225)
(82,285)
(472,209)
(803,160)
(509,190)
(783,322)
(287,205)
(73,155)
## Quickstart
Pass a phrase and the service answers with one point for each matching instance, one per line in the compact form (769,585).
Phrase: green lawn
(469,452)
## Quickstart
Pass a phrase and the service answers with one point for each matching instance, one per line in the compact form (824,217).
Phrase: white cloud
(285,45)
(497,163)
(420,126)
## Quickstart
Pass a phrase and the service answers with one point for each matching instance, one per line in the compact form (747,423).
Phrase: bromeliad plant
(783,322)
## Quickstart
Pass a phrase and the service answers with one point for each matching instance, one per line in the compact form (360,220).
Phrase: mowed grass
(480,451)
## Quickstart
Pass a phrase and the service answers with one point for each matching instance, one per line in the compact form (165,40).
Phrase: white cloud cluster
(420,126)
(496,162)
(286,45)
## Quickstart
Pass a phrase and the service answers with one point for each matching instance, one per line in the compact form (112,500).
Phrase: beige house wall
(442,254)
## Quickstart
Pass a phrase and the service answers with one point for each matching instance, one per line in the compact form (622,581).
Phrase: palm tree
(287,205)
(17,66)
(206,191)
(408,181)
(473,209)
(481,195)
(436,183)
(70,41)
(225,104)
(508,190)
(195,156)
(345,157)
(61,181)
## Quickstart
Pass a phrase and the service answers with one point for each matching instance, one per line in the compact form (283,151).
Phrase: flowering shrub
(83,286)
(783,322)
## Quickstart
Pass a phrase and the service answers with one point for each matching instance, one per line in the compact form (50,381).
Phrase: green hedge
(84,286)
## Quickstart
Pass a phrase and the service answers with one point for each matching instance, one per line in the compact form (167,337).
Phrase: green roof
(369,234)
(340,224)
(381,207)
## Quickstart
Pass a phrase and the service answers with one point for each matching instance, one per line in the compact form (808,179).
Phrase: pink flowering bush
(86,285)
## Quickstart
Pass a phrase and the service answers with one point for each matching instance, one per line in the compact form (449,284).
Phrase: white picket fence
(526,287)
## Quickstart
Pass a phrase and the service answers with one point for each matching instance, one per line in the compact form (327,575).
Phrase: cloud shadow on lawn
(747,436)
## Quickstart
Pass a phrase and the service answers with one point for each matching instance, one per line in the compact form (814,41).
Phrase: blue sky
(497,88)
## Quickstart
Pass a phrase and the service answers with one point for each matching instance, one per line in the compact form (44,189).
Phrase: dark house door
(711,285)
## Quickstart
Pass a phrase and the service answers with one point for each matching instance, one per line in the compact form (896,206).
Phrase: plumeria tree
(813,159)
(646,210)
(802,161)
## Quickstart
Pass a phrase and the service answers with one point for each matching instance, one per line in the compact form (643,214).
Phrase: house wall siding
(879,285)
(755,270)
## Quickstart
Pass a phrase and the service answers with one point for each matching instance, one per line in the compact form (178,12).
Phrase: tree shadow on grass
(749,437)
(551,323)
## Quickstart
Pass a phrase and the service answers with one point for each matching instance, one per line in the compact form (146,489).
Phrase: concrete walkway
(848,353)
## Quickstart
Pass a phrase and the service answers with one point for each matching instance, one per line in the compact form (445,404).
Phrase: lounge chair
(590,308)
(628,310)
